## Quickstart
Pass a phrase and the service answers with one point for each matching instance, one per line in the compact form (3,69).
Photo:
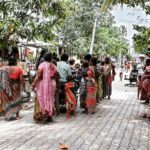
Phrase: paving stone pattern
(117,125)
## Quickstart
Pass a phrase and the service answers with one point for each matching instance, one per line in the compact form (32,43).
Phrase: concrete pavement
(116,125)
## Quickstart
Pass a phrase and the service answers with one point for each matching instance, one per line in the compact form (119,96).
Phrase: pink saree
(44,90)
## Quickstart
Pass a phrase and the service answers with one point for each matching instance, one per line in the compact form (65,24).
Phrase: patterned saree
(91,93)
(10,99)
(70,98)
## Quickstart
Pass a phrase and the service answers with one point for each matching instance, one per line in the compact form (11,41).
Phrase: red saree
(91,93)
(10,99)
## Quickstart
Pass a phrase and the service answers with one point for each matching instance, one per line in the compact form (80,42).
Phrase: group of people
(57,83)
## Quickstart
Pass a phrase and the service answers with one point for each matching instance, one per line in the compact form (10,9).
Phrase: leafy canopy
(78,27)
(30,19)
(141,39)
(130,3)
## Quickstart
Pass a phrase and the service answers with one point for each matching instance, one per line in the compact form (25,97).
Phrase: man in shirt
(64,70)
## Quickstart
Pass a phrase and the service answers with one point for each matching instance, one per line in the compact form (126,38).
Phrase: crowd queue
(57,83)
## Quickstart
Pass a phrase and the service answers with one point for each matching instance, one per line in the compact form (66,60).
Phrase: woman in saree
(96,70)
(11,81)
(145,92)
(91,88)
(45,87)
(83,91)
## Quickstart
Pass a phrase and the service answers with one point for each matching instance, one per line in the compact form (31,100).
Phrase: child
(70,97)
(139,86)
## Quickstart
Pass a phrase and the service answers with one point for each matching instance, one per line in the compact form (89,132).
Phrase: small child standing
(70,97)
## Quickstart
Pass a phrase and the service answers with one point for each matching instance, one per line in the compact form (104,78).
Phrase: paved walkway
(115,126)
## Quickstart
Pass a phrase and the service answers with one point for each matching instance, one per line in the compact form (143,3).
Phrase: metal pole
(93,36)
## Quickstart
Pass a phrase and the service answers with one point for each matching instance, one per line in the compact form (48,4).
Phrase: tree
(29,20)
(142,38)
(131,3)
(111,41)
(77,31)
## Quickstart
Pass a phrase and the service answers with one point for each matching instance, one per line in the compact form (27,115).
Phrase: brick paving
(117,125)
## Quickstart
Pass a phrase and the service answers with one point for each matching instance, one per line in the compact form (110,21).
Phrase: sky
(129,16)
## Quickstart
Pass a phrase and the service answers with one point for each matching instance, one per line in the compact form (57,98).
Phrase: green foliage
(130,3)
(111,41)
(147,9)
(30,19)
(78,27)
(142,38)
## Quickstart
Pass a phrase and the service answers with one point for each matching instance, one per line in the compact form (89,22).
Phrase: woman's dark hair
(48,56)
(107,60)
(147,62)
(94,61)
(41,58)
(87,57)
(12,61)
(85,64)
(64,57)
(15,51)
(44,50)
